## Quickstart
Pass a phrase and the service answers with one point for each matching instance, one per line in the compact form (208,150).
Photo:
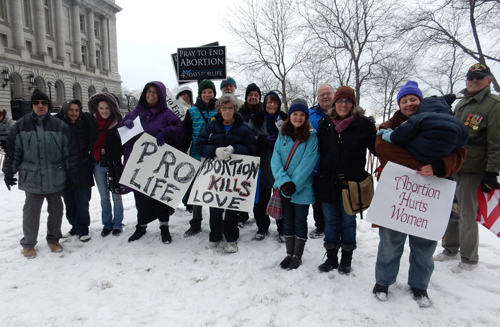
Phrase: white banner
(161,172)
(174,105)
(227,184)
(409,203)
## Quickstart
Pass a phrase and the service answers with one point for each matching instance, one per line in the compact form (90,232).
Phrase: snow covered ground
(110,282)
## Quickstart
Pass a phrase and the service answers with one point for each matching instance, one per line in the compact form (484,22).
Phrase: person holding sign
(294,157)
(158,121)
(223,136)
(391,245)
(264,126)
(186,97)
(344,134)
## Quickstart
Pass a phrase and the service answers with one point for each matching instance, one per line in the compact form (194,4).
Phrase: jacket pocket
(58,176)
(29,175)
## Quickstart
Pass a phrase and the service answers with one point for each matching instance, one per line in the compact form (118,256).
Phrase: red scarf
(342,124)
(101,139)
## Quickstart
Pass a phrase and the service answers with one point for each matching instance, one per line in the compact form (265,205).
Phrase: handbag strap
(292,151)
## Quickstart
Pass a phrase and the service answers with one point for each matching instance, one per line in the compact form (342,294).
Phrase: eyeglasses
(152,92)
(341,102)
(273,102)
(473,77)
(37,102)
(226,109)
(325,94)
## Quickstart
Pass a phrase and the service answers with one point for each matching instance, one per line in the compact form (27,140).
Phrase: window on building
(98,59)
(77,91)
(50,52)
(68,56)
(27,13)
(96,28)
(82,23)
(84,56)
(3,40)
(48,21)
(29,46)
(91,90)
(2,10)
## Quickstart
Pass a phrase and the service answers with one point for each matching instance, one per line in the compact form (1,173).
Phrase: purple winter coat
(155,119)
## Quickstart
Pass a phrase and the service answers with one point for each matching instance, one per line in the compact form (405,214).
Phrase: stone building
(66,48)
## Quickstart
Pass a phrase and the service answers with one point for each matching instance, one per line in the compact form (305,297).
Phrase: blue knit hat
(411,87)
(298,106)
(228,80)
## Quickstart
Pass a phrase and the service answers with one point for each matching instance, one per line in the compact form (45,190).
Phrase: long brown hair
(302,133)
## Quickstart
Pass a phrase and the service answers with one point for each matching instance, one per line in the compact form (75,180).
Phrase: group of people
(305,155)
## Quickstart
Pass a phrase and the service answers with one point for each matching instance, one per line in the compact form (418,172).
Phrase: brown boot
(29,253)
(55,247)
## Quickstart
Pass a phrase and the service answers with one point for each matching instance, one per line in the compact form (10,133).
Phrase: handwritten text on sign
(409,203)
(227,184)
(161,172)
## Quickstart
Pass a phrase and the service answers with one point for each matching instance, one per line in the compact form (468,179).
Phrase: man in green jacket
(479,111)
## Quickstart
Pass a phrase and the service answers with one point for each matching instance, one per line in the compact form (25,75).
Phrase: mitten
(221,153)
(449,98)
(489,182)
(10,180)
(288,188)
(386,134)
(160,140)
(129,123)
(270,140)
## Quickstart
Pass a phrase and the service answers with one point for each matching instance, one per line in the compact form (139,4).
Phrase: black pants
(149,209)
(319,218)
(227,225)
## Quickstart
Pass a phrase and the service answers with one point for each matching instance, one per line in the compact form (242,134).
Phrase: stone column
(17,24)
(58,10)
(77,40)
(40,28)
(105,44)
(91,37)
(113,46)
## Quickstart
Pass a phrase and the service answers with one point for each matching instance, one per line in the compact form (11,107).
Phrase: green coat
(483,148)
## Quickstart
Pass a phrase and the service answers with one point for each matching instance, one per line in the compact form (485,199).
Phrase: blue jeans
(101,180)
(340,227)
(294,218)
(77,209)
(390,250)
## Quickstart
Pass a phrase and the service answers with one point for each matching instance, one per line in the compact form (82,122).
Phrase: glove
(160,139)
(386,134)
(129,123)
(489,182)
(222,153)
(449,98)
(288,188)
(10,180)
(229,149)
(270,140)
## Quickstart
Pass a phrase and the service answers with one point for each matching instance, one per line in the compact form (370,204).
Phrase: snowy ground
(109,282)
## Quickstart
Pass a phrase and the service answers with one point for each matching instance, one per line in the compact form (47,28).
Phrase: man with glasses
(479,111)
(41,148)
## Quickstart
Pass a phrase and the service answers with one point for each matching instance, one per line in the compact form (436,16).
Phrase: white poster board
(409,203)
(126,134)
(174,105)
(161,172)
(227,184)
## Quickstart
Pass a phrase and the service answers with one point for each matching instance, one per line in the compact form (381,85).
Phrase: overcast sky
(149,31)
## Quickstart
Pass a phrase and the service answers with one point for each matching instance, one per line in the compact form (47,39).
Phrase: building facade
(66,48)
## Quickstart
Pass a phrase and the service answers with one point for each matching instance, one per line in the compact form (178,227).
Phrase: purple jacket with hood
(155,119)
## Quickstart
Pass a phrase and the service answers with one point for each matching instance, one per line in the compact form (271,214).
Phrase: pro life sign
(202,61)
(412,204)
(227,184)
(161,172)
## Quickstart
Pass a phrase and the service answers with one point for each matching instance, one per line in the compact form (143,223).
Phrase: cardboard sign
(227,184)
(176,66)
(161,172)
(196,62)
(409,203)
(174,105)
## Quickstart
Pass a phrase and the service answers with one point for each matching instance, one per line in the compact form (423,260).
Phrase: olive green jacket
(483,148)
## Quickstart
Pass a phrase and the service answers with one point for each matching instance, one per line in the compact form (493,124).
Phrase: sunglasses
(37,102)
(477,77)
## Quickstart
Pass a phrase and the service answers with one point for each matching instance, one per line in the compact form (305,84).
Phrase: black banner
(194,63)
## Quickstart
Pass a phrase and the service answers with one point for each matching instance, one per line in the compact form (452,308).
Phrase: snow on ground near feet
(110,282)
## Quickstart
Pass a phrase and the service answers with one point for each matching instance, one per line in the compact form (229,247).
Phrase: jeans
(109,221)
(294,218)
(77,209)
(390,250)
(340,227)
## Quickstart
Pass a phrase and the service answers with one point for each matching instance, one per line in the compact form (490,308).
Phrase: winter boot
(290,243)
(165,234)
(345,260)
(298,250)
(332,261)
(139,232)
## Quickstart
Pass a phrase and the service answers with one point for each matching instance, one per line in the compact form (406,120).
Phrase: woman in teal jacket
(296,181)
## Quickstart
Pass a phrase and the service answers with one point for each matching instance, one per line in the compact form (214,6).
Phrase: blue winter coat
(299,170)
(315,115)
(197,117)
(214,136)
(432,133)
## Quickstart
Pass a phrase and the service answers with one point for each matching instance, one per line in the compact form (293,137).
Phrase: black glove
(10,180)
(288,188)
(489,182)
(449,98)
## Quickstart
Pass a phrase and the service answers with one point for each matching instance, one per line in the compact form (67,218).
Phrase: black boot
(345,260)
(332,261)
(165,234)
(139,232)
(290,244)
(298,250)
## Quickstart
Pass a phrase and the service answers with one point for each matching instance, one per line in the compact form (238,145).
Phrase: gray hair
(227,98)
(331,88)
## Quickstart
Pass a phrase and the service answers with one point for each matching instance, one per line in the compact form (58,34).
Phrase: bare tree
(269,33)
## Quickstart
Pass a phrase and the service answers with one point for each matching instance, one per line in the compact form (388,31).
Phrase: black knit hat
(206,84)
(39,95)
(252,87)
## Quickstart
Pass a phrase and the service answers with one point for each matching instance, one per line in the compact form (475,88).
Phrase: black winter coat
(214,135)
(352,144)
